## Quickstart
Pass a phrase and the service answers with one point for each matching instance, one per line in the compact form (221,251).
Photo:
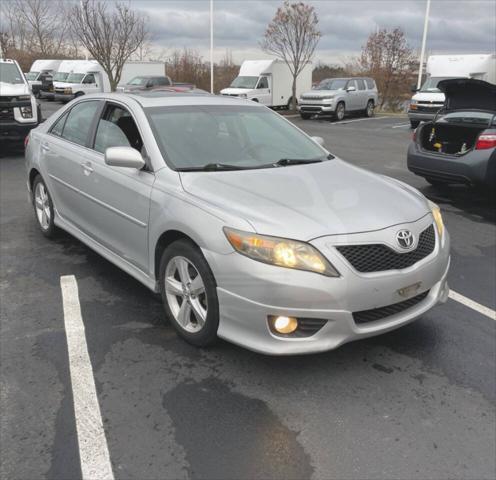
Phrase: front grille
(430,109)
(375,314)
(378,257)
(6,115)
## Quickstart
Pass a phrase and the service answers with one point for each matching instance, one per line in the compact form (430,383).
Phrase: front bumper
(475,167)
(422,116)
(15,131)
(316,109)
(256,290)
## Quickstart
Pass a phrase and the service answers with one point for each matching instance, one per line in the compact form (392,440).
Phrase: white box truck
(88,76)
(269,82)
(38,73)
(428,99)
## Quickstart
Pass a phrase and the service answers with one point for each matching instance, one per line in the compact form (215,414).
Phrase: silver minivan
(337,96)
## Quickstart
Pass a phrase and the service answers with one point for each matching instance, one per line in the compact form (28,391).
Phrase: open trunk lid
(468,93)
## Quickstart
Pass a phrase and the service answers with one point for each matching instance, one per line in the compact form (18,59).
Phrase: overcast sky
(456,26)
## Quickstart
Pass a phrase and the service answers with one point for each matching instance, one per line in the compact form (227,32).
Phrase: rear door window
(80,121)
(361,83)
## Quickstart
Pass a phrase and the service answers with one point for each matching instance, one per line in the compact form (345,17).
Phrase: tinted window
(263,83)
(117,128)
(59,125)
(370,83)
(361,84)
(163,81)
(336,84)
(79,122)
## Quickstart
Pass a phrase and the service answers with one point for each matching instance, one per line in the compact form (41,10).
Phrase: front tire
(305,116)
(43,208)
(189,293)
(340,111)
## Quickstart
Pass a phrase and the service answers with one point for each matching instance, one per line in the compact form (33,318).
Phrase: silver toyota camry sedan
(250,229)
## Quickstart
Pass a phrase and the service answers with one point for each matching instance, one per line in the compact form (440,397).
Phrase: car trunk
(469,109)
(449,139)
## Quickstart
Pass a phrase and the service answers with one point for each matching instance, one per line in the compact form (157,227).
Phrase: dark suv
(145,82)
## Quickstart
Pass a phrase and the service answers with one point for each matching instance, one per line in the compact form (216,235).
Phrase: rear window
(467,117)
(370,83)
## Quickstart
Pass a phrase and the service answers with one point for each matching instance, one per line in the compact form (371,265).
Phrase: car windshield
(192,137)
(138,81)
(430,85)
(75,78)
(60,76)
(244,82)
(9,73)
(336,84)
(32,75)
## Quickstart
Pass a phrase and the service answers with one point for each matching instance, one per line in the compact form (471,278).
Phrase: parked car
(88,76)
(269,82)
(337,96)
(459,145)
(145,82)
(427,101)
(249,229)
(19,112)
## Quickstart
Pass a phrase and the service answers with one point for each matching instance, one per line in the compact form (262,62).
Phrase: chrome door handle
(45,147)
(87,168)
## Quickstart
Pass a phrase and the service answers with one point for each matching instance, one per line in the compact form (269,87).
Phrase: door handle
(45,147)
(87,168)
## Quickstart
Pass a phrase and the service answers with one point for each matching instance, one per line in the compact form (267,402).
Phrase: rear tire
(369,111)
(340,111)
(189,293)
(414,123)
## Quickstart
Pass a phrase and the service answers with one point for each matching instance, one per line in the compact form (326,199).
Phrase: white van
(60,76)
(428,100)
(88,76)
(269,82)
(39,71)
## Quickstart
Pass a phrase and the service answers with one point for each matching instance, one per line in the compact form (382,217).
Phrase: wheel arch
(32,175)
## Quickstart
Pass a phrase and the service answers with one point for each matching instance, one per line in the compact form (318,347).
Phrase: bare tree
(111,37)
(292,35)
(388,59)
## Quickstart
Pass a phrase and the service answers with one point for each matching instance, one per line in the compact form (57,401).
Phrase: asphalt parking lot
(417,403)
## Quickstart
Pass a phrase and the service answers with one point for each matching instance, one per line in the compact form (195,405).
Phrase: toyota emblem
(405,239)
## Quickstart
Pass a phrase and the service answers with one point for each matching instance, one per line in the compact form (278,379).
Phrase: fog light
(284,325)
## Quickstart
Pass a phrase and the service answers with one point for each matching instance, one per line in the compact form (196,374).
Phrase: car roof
(166,98)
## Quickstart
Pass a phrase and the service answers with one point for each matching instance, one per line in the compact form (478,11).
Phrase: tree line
(113,34)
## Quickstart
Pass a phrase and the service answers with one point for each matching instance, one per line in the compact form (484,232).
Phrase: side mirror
(351,89)
(319,140)
(414,89)
(127,157)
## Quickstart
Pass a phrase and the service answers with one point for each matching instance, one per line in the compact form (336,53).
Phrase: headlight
(438,218)
(280,251)
(327,97)
(27,112)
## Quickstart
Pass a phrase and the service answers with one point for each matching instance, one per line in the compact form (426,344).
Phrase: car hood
(463,93)
(320,93)
(309,201)
(437,97)
(14,89)
(235,91)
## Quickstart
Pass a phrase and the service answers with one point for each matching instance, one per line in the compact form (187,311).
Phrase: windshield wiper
(212,167)
(284,162)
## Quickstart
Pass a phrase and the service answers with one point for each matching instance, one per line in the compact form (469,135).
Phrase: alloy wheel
(42,206)
(185,294)
(340,112)
(370,109)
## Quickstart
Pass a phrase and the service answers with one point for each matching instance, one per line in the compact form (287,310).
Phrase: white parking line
(473,305)
(359,120)
(401,125)
(93,450)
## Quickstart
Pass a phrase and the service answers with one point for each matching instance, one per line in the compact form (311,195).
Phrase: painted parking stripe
(473,305)
(93,449)
(359,120)
(401,125)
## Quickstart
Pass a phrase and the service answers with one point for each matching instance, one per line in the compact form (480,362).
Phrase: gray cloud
(455,25)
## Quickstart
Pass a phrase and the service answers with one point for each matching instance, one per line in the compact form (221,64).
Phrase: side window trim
(63,117)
